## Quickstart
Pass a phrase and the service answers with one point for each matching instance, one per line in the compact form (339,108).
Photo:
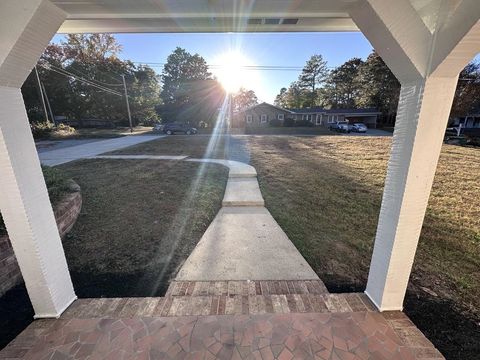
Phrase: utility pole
(128,105)
(48,104)
(41,94)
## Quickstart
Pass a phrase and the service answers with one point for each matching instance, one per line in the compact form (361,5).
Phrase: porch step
(246,287)
(217,305)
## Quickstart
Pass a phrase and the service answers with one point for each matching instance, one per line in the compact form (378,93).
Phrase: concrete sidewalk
(244,242)
(88,150)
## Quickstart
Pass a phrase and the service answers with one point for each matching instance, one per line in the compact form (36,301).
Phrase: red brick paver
(359,335)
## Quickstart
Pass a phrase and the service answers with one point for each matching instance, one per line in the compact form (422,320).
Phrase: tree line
(366,84)
(82,79)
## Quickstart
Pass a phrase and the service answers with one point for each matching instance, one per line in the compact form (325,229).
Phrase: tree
(95,58)
(467,94)
(243,99)
(342,87)
(181,68)
(378,87)
(281,98)
(313,75)
(189,92)
(294,97)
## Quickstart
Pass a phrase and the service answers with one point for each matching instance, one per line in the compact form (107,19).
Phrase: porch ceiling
(204,16)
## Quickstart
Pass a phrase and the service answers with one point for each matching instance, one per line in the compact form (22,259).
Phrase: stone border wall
(66,214)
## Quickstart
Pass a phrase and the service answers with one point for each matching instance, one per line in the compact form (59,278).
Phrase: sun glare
(232,71)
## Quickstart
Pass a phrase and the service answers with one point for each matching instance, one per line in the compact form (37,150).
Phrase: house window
(280,116)
(319,119)
(263,118)
(330,119)
(307,117)
(249,119)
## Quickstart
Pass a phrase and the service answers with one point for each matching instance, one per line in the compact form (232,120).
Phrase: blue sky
(285,49)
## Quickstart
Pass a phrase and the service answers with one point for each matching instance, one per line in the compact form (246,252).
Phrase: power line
(246,67)
(76,77)
(83,79)
(105,73)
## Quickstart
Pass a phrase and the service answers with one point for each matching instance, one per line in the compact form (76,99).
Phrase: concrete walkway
(91,149)
(244,242)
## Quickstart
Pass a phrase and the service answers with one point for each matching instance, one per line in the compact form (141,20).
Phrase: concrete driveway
(371,132)
(70,150)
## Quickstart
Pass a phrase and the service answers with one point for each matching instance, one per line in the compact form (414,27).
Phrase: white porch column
(426,55)
(422,117)
(26,27)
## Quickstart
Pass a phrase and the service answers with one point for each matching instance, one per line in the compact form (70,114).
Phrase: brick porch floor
(227,320)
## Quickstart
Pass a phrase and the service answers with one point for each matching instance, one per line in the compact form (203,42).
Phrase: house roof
(335,111)
(265,103)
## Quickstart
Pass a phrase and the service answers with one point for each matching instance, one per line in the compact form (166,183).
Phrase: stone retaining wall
(66,214)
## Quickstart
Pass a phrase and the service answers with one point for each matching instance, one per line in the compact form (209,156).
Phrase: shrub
(45,129)
(41,129)
(63,130)
(289,122)
(275,123)
(304,123)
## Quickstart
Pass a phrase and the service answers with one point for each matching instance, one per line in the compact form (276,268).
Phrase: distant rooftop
(335,111)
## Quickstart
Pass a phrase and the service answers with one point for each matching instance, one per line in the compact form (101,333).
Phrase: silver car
(359,127)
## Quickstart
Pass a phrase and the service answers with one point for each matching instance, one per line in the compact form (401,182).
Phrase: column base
(55,316)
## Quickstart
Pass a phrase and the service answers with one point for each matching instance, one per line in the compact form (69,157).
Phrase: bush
(45,129)
(289,122)
(41,129)
(304,123)
(63,130)
(275,123)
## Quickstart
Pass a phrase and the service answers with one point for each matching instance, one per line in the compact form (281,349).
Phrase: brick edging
(66,213)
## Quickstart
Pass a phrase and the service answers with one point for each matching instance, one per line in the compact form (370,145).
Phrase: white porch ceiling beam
(396,32)
(203,25)
(26,27)
(460,26)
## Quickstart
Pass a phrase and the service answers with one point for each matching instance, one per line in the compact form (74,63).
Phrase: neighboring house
(468,125)
(262,114)
(471,121)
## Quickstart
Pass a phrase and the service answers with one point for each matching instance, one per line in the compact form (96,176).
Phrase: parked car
(359,127)
(175,128)
(340,126)
(158,127)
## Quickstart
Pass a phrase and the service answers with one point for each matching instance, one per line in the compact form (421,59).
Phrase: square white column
(422,117)
(26,27)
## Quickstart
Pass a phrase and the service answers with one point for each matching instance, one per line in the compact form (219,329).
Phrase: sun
(232,70)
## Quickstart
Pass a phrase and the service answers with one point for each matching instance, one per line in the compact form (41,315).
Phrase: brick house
(262,114)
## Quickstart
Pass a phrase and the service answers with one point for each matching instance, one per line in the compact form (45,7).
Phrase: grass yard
(326,193)
(140,220)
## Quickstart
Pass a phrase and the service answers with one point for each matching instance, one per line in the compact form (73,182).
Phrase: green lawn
(140,220)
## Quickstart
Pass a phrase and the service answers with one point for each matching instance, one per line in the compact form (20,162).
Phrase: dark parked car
(175,128)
